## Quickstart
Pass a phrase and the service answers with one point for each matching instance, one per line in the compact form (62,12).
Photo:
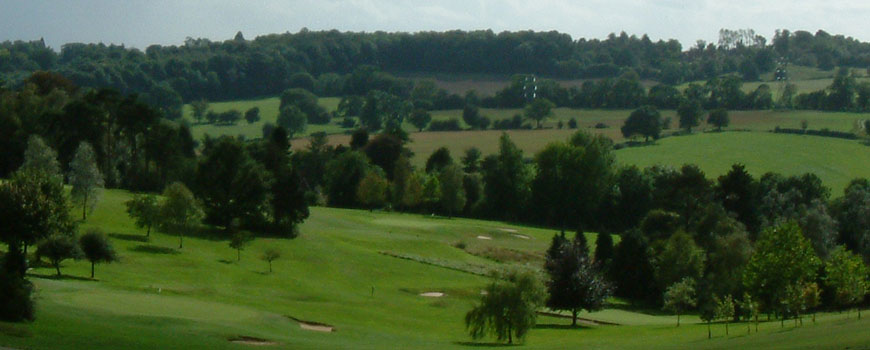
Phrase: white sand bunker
(316,328)
(313,326)
(521,236)
(487,238)
(245,340)
(432,294)
(508,230)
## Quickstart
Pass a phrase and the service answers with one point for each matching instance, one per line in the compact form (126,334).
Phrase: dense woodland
(324,62)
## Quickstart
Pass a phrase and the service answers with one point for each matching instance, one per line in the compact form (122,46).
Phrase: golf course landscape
(377,179)
(341,271)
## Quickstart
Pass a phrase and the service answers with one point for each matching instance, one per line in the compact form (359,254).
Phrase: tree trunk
(270,267)
(238,255)
(574,318)
(859,312)
(85,208)
(726,327)
(756,323)
(180,240)
(148,233)
(57,268)
(709,332)
(510,335)
(92,269)
(678,319)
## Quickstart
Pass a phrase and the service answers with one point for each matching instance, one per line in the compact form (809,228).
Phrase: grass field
(268,114)
(835,161)
(336,272)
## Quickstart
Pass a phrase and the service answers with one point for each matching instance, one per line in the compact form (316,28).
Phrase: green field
(835,161)
(336,272)
(268,114)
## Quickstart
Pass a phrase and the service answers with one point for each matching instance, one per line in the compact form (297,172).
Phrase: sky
(140,23)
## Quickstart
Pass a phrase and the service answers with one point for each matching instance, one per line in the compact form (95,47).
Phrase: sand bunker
(508,230)
(484,237)
(432,294)
(313,326)
(521,236)
(245,340)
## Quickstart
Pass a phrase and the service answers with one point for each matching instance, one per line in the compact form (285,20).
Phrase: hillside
(335,273)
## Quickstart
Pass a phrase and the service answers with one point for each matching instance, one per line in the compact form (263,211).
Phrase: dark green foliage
(572,180)
(252,115)
(270,255)
(384,150)
(604,250)
(471,160)
(690,112)
(96,248)
(632,270)
(471,116)
(230,183)
(718,118)
(575,282)
(420,118)
(629,199)
(539,110)
(738,192)
(57,248)
(506,180)
(508,308)
(453,198)
(851,214)
(359,138)
(679,258)
(16,303)
(200,109)
(144,209)
(438,160)
(292,119)
(644,121)
(288,204)
(239,241)
(180,212)
(451,124)
(306,102)
(342,176)
(33,207)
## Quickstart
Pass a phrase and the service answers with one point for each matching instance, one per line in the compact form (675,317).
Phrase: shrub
(445,125)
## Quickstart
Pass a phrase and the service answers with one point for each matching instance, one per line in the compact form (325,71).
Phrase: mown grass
(835,161)
(334,273)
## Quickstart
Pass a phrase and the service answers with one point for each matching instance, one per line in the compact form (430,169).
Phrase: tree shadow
(561,326)
(62,277)
(225,261)
(639,308)
(129,237)
(484,345)
(153,249)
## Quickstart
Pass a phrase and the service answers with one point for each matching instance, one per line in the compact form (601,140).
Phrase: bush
(509,124)
(601,126)
(824,133)
(572,123)
(16,305)
(348,123)
(445,125)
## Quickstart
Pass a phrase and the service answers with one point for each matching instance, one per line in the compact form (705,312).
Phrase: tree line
(239,68)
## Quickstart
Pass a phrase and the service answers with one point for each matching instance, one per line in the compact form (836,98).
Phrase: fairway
(835,161)
(341,272)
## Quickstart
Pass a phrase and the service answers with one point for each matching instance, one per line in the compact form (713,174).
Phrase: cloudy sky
(140,23)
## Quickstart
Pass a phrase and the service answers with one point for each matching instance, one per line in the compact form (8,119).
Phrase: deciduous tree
(85,178)
(508,308)
(97,248)
(145,210)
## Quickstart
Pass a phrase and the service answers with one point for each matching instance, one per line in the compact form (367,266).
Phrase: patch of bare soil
(486,238)
(432,294)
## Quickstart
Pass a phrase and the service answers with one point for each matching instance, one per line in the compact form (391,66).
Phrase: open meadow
(359,274)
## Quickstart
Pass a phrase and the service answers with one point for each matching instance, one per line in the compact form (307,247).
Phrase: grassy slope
(157,297)
(836,161)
